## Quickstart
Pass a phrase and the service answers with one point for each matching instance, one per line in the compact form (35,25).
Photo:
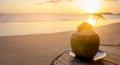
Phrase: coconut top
(85,29)
(84,25)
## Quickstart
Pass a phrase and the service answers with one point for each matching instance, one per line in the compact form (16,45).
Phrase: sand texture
(41,49)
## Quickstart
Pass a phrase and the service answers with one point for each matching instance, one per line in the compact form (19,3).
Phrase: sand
(41,49)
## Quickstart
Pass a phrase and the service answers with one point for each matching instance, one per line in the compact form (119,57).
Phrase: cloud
(54,1)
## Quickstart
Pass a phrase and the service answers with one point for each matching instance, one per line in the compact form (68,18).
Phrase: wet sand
(41,49)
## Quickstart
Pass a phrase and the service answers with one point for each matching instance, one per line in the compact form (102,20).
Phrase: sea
(12,24)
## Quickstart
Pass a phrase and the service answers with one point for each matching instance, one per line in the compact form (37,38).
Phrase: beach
(41,49)
(36,32)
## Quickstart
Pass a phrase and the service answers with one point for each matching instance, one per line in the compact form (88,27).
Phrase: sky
(55,6)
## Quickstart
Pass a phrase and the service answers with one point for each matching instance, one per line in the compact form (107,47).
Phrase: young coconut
(85,42)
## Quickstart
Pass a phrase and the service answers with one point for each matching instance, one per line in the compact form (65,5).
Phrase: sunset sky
(47,6)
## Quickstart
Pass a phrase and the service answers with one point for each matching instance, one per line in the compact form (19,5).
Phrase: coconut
(85,42)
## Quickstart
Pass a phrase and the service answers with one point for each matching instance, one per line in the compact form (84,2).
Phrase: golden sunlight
(89,6)
(91,21)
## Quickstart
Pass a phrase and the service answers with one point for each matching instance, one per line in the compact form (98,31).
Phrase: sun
(89,6)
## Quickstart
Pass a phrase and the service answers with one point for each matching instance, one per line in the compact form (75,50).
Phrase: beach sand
(41,49)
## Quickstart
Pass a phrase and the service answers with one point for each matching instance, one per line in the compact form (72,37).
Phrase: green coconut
(85,42)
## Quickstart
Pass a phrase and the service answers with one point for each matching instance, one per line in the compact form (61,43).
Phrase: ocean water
(39,17)
(25,24)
